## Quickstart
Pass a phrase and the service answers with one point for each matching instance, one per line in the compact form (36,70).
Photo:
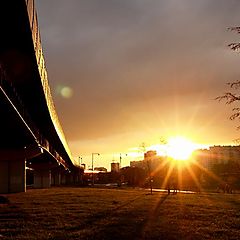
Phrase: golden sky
(132,71)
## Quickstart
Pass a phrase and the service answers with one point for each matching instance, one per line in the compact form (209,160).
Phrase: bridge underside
(20,150)
(29,138)
(14,137)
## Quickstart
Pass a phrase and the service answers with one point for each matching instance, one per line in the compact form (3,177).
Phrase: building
(115,167)
(151,160)
(217,155)
(139,164)
(100,169)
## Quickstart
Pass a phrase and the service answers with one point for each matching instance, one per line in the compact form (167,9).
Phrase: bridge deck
(21,57)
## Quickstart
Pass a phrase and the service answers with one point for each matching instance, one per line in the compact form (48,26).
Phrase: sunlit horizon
(176,147)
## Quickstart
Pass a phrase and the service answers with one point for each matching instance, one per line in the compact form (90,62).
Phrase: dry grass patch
(88,213)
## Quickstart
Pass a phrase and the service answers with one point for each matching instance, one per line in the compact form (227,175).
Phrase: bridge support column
(56,178)
(42,179)
(63,178)
(69,179)
(12,176)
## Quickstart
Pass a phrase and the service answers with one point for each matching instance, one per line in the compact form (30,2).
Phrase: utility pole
(80,161)
(120,159)
(92,166)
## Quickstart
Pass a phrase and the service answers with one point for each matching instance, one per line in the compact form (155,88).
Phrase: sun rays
(180,148)
(179,168)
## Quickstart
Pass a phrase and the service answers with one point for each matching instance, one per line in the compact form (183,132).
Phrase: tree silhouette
(230,97)
(234,46)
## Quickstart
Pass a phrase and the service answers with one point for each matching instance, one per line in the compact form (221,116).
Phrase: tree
(234,46)
(230,97)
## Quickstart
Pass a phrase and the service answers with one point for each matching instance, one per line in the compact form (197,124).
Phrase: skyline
(128,72)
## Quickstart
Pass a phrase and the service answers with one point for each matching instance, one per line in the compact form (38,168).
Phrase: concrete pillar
(17,176)
(69,178)
(63,178)
(4,181)
(42,179)
(56,179)
(12,176)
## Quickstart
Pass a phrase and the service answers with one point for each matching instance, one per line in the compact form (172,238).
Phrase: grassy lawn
(93,213)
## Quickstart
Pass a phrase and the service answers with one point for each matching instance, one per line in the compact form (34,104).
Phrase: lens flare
(64,91)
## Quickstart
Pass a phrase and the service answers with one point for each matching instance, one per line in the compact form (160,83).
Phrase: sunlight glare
(180,148)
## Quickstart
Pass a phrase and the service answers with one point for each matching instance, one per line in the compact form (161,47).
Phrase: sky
(124,72)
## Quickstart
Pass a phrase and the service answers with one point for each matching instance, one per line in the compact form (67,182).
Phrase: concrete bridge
(30,133)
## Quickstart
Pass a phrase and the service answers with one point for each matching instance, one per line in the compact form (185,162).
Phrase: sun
(180,148)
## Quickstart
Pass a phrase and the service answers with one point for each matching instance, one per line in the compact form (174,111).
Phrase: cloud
(125,59)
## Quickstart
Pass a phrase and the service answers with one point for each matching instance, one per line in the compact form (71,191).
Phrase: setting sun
(180,148)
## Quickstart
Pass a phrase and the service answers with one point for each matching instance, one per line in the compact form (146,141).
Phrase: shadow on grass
(107,213)
(125,222)
(12,220)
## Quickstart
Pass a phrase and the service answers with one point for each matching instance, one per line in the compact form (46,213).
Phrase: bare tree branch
(234,116)
(228,97)
(234,46)
(235,84)
(237,29)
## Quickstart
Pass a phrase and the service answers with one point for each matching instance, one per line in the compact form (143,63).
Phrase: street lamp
(80,161)
(92,166)
(121,159)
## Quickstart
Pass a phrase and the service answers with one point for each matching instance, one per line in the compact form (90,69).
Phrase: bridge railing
(9,89)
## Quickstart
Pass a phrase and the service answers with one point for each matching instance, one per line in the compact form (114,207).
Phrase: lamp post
(92,166)
(120,159)
(79,175)
(80,161)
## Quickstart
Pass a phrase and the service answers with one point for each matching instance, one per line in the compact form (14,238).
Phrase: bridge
(31,136)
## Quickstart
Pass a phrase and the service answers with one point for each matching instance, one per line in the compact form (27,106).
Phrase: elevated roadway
(30,132)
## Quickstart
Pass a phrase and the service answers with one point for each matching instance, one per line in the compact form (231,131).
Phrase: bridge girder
(22,59)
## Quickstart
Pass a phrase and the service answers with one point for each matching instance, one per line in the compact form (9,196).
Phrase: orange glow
(180,148)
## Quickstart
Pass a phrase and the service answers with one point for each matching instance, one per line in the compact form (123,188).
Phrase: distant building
(217,155)
(150,155)
(83,165)
(139,164)
(115,167)
(100,169)
(151,159)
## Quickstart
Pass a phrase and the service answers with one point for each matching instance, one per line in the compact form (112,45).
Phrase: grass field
(93,213)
